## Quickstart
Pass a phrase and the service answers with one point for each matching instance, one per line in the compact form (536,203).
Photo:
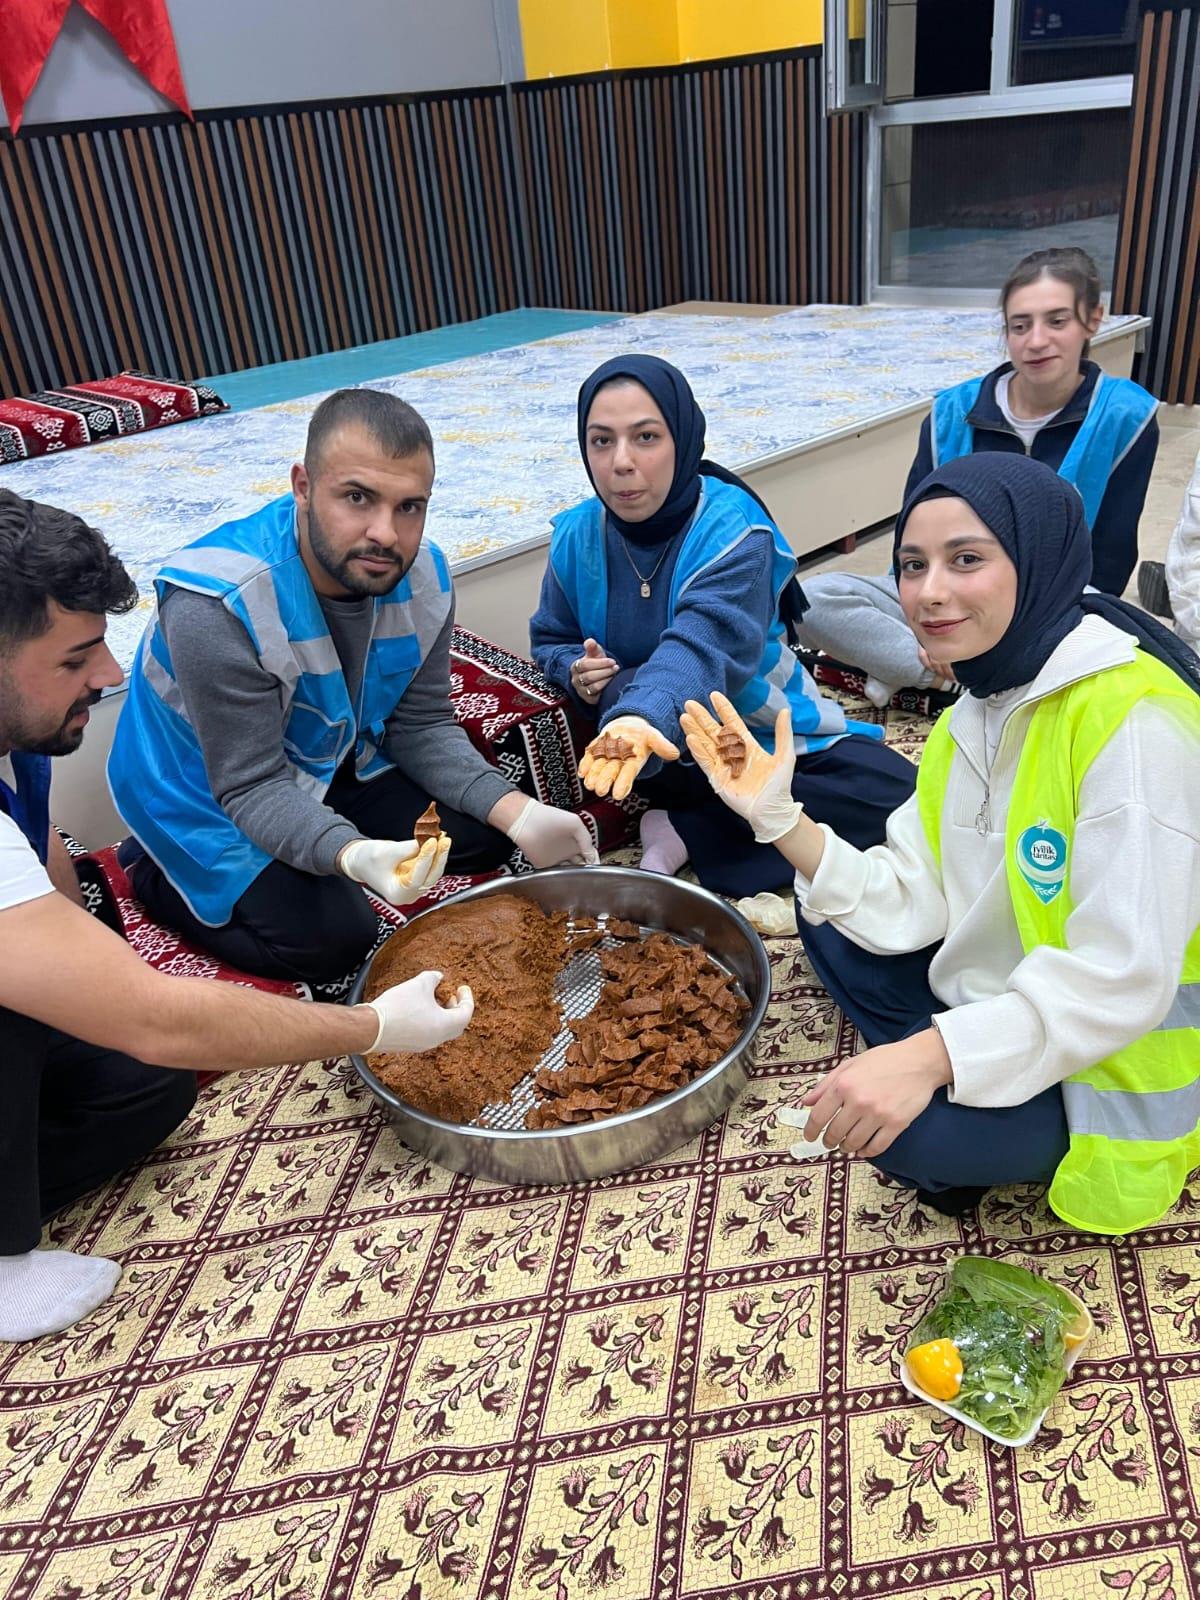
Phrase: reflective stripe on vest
(1117,413)
(1134,1117)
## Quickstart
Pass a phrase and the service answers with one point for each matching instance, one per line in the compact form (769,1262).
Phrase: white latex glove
(772,915)
(553,838)
(804,1150)
(762,791)
(410,1018)
(640,739)
(398,870)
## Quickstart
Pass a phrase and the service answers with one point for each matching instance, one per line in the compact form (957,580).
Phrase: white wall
(266,52)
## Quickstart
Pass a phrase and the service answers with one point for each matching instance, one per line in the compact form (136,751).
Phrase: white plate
(1031,1432)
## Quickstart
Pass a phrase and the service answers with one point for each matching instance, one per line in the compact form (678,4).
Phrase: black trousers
(307,929)
(72,1115)
(949,1146)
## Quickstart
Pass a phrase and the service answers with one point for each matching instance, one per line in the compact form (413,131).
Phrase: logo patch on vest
(1042,859)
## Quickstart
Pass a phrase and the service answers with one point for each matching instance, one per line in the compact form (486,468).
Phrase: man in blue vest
(289,715)
(80,1013)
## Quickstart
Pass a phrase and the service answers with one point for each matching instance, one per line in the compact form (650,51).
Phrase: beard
(19,732)
(338,563)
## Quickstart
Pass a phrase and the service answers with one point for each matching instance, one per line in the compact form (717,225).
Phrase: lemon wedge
(936,1367)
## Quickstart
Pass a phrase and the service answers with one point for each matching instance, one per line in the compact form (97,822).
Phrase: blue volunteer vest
(156,768)
(724,516)
(1118,412)
(29,803)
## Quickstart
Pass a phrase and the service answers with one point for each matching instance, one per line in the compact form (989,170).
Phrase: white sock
(662,848)
(879,693)
(45,1291)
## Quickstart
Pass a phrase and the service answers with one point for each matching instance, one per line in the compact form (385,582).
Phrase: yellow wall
(645,34)
(712,28)
(566,36)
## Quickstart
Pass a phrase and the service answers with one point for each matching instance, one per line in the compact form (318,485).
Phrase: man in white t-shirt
(80,1014)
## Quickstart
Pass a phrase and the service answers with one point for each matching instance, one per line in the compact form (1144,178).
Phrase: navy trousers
(854,786)
(948,1146)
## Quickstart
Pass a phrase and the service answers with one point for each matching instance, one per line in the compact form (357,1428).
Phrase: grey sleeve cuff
(482,793)
(325,849)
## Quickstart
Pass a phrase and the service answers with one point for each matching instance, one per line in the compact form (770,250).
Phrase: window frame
(1003,99)
(1105,94)
(840,95)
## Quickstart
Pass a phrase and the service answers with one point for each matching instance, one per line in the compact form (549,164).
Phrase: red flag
(28,29)
(142,28)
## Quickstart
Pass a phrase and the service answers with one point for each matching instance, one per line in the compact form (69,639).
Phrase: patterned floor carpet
(333,1370)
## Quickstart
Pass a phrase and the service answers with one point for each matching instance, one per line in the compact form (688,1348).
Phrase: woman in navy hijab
(670,581)
(1023,956)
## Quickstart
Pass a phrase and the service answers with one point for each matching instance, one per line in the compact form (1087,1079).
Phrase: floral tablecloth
(504,425)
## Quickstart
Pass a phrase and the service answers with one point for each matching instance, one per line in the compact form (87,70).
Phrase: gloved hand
(591,671)
(398,870)
(553,838)
(752,783)
(410,1018)
(619,752)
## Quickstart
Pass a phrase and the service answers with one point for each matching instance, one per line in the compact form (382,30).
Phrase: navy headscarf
(673,396)
(1038,519)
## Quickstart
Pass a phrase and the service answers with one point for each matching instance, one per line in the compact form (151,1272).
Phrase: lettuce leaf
(1008,1327)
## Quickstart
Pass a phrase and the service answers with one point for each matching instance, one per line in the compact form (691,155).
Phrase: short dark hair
(1070,265)
(394,425)
(47,554)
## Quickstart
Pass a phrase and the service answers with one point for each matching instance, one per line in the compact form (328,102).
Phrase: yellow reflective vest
(1134,1118)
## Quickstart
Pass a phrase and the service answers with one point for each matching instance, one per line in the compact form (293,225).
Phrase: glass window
(938,47)
(963,201)
(1057,40)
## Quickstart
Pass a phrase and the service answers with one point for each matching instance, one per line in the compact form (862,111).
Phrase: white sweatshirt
(1017,1024)
(1183,564)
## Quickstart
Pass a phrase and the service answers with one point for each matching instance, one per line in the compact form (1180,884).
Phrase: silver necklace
(641,576)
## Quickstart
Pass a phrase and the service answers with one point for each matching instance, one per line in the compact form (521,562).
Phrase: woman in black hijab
(673,580)
(1022,956)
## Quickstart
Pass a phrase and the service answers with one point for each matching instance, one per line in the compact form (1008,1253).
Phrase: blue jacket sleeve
(555,637)
(1115,535)
(715,641)
(923,460)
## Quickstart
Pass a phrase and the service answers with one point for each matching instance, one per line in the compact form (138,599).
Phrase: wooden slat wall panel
(1157,269)
(715,182)
(250,238)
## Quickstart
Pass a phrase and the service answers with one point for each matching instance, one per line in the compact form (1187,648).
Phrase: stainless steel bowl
(614,1144)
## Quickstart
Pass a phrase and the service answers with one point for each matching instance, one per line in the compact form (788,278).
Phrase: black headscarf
(1038,519)
(673,396)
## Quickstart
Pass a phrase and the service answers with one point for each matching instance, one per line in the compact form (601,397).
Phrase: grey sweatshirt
(237,710)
